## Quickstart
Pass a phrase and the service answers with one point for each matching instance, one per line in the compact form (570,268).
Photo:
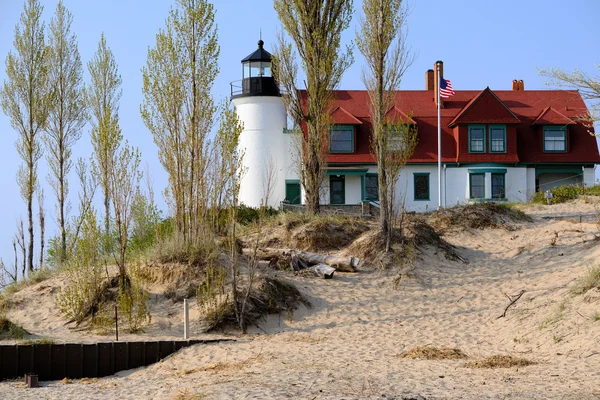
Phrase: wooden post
(116,324)
(186,320)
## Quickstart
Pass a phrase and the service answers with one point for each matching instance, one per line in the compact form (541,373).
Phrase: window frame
(503,186)
(554,128)
(347,128)
(420,174)
(497,126)
(471,184)
(366,197)
(473,127)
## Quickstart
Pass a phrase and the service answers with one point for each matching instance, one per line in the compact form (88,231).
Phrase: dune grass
(590,280)
(498,361)
(433,353)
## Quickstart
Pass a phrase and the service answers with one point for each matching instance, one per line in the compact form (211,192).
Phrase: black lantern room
(257,79)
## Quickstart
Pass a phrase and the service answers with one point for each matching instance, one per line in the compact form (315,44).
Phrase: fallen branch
(512,302)
(303,259)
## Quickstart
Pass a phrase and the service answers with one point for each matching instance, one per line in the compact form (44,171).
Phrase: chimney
(429,80)
(439,65)
(518,85)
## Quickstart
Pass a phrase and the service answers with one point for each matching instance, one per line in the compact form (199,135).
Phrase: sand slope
(347,345)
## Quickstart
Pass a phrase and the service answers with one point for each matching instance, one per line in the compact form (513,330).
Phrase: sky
(482,43)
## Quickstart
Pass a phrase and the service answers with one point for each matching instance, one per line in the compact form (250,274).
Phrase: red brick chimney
(518,84)
(439,65)
(429,79)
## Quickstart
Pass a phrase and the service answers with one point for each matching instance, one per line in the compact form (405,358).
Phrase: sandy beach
(347,346)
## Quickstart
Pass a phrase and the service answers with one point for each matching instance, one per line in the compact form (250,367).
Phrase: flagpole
(439,138)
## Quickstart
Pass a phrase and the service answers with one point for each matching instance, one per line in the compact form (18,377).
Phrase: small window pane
(421,187)
(477,140)
(372,187)
(477,186)
(497,139)
(555,140)
(341,140)
(498,186)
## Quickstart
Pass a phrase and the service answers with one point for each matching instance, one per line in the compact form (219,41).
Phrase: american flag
(445,88)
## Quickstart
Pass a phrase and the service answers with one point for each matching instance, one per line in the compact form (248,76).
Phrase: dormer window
(555,139)
(497,138)
(476,138)
(341,139)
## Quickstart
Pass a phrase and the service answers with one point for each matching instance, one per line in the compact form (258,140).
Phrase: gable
(343,117)
(396,115)
(486,108)
(550,116)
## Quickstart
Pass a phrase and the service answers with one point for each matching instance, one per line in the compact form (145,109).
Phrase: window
(555,139)
(421,186)
(341,139)
(498,191)
(497,139)
(372,187)
(477,186)
(477,139)
(292,191)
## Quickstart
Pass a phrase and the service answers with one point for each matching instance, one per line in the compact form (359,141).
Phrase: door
(337,189)
(292,192)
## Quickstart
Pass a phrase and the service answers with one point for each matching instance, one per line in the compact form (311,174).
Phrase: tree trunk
(340,263)
(30,227)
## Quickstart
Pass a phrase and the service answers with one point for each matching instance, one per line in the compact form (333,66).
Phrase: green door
(292,192)
(337,189)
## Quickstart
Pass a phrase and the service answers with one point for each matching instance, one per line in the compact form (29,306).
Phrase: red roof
(549,116)
(341,116)
(396,115)
(518,109)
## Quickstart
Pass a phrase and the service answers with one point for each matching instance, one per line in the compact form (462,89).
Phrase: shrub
(133,301)
(500,362)
(10,330)
(83,273)
(560,194)
(589,281)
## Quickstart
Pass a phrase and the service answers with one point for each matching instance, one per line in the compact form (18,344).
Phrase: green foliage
(32,342)
(133,301)
(171,248)
(213,302)
(10,330)
(590,280)
(561,194)
(146,224)
(83,273)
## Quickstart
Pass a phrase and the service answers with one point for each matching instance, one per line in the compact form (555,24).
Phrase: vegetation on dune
(590,280)
(499,361)
(10,330)
(476,216)
(433,353)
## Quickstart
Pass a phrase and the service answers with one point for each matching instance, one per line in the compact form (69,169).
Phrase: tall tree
(66,110)
(382,41)
(179,109)
(588,86)
(125,179)
(102,96)
(315,27)
(23,98)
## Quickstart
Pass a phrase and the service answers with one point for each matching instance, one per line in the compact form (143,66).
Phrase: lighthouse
(267,157)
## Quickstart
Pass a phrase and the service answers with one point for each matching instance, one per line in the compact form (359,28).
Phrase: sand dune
(347,345)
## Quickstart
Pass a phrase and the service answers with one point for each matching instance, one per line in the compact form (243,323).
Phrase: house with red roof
(501,145)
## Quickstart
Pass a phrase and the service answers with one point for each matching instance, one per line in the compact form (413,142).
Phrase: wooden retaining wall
(75,361)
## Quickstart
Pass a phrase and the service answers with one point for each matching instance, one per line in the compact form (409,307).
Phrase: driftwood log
(304,259)
(322,270)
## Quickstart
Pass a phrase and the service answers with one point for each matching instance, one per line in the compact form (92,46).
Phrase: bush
(84,283)
(561,194)
(10,330)
(133,301)
(589,281)
(173,249)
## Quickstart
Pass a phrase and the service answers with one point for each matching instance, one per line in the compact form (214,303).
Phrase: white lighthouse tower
(266,147)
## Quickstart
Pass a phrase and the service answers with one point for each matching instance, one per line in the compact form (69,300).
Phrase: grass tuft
(500,362)
(10,330)
(434,353)
(589,281)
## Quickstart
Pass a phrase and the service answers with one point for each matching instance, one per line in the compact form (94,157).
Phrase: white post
(186,320)
(439,121)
